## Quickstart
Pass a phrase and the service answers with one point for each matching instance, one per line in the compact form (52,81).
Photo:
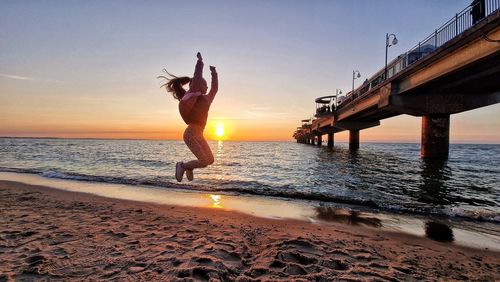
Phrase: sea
(379,177)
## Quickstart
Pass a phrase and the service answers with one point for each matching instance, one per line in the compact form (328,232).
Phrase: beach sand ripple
(47,234)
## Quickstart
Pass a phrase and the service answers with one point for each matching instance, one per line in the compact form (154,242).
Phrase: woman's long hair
(174,84)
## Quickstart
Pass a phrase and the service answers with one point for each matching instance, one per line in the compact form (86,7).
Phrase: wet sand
(50,234)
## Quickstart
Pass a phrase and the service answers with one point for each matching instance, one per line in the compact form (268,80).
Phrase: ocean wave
(55,174)
(259,189)
(19,170)
(230,164)
(131,161)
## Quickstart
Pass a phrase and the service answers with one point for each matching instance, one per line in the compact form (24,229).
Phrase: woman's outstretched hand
(199,56)
(212,68)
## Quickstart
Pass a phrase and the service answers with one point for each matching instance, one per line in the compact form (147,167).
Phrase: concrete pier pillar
(435,137)
(320,140)
(330,140)
(312,140)
(353,139)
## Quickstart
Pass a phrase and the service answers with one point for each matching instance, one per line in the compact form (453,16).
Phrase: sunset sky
(88,68)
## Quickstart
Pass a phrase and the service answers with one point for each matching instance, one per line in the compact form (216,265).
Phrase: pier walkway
(455,69)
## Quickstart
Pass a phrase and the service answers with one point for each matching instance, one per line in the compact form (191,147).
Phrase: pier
(455,69)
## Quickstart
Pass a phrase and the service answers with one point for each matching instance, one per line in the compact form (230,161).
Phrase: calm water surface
(388,177)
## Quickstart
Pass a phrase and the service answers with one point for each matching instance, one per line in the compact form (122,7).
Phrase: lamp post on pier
(355,74)
(387,45)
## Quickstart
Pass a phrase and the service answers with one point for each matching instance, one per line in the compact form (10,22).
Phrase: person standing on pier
(193,107)
(478,10)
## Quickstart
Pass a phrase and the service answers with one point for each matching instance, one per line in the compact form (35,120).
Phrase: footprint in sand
(303,257)
(294,269)
(198,273)
(137,267)
(228,257)
(117,235)
(59,252)
(336,264)
(257,272)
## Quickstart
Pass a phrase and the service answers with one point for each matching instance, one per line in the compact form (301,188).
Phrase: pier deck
(461,74)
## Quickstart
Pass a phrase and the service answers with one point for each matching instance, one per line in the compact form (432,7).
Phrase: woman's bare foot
(179,171)
(189,174)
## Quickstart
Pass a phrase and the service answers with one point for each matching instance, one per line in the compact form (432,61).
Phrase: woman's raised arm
(215,84)
(196,82)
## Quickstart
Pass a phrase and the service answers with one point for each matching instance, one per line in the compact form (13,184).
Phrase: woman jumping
(193,107)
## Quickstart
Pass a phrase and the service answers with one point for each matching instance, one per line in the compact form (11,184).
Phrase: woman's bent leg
(193,137)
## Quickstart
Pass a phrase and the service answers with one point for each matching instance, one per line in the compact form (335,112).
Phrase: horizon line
(291,140)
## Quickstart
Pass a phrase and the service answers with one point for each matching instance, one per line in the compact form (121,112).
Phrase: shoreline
(50,233)
(480,235)
(448,213)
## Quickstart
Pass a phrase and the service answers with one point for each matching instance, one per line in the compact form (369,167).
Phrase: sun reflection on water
(220,149)
(216,201)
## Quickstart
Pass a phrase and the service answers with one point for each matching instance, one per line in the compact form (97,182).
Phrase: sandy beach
(50,234)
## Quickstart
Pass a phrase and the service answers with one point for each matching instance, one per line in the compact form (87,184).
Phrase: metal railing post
(456,24)
(419,52)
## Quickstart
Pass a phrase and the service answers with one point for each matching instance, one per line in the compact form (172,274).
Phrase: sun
(219,130)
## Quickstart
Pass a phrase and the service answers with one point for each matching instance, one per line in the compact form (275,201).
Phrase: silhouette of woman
(193,107)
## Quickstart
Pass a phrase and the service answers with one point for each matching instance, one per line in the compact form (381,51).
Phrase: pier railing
(461,22)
